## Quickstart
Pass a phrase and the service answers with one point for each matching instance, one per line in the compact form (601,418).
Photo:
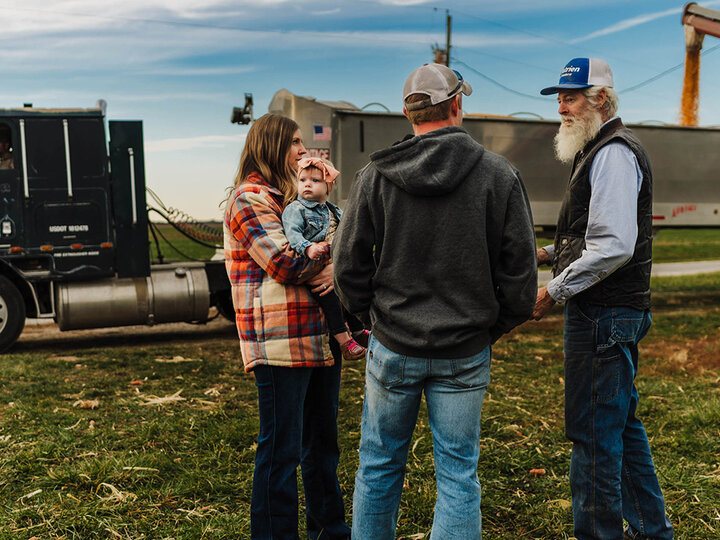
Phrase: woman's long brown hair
(266,151)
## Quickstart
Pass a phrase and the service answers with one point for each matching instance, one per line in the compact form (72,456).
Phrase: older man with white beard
(601,265)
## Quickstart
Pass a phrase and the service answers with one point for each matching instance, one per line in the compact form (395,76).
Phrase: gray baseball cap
(436,81)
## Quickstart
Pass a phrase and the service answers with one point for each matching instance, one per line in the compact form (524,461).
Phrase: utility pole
(447,38)
(442,56)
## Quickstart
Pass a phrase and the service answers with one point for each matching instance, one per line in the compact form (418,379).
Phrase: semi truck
(74,243)
(685,160)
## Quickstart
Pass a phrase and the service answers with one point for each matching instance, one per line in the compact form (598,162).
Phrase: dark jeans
(336,315)
(612,475)
(298,426)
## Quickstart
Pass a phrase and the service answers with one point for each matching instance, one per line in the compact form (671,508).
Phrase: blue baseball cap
(582,73)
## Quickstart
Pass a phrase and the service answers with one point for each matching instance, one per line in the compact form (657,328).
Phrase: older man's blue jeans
(612,475)
(454,391)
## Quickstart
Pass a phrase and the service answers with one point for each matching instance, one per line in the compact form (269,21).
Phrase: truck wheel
(12,313)
(224,305)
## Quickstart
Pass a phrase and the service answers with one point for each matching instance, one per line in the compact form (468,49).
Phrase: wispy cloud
(78,98)
(404,2)
(22,17)
(326,12)
(195,72)
(141,37)
(158,97)
(632,22)
(477,40)
(627,24)
(190,143)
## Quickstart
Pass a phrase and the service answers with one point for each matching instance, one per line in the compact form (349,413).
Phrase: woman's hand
(322,283)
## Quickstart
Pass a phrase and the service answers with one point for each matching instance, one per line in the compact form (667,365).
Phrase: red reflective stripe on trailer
(658,217)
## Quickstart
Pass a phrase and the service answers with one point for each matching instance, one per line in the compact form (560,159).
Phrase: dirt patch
(46,336)
(552,322)
(700,356)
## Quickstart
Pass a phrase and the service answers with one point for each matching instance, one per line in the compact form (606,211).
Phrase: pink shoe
(351,350)
(362,337)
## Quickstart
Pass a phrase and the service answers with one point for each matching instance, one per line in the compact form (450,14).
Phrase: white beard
(574,133)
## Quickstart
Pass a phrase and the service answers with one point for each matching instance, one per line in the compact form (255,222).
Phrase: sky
(180,66)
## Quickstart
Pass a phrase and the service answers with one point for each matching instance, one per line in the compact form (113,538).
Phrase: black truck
(74,243)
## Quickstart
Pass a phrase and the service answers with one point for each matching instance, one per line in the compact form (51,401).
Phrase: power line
(624,91)
(570,44)
(514,29)
(505,59)
(666,72)
(496,83)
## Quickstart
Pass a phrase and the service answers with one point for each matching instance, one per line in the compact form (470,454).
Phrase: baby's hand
(315,251)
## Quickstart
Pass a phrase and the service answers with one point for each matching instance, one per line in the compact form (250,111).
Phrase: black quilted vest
(629,285)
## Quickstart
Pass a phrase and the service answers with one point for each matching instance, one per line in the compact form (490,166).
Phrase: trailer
(74,230)
(685,160)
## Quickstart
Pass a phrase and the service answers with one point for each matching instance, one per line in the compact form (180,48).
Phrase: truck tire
(224,304)
(12,314)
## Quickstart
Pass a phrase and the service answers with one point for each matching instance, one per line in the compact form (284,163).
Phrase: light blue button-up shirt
(615,182)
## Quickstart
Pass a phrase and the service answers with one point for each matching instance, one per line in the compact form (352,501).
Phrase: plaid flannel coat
(278,321)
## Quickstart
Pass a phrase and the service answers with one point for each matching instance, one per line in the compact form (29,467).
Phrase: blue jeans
(454,391)
(298,426)
(612,475)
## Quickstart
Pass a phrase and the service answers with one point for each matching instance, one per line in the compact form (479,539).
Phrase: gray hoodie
(436,249)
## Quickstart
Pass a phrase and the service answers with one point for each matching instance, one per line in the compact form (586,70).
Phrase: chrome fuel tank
(172,293)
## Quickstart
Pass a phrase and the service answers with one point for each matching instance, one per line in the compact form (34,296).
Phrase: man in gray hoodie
(436,252)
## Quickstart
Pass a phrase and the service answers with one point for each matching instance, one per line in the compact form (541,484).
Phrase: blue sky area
(181,65)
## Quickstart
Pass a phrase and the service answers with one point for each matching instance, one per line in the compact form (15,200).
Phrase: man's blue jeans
(454,391)
(612,475)
(298,425)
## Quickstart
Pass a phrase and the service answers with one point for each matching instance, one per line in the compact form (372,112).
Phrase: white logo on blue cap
(582,73)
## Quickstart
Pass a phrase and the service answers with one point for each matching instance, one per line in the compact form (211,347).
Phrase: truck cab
(74,228)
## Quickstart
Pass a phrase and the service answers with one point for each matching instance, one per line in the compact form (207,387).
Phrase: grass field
(670,245)
(152,435)
(175,246)
(673,245)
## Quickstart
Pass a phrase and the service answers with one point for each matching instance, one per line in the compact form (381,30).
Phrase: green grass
(677,291)
(678,284)
(183,469)
(674,245)
(174,246)
(670,245)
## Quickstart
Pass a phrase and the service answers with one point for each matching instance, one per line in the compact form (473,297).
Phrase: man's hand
(322,283)
(543,257)
(543,303)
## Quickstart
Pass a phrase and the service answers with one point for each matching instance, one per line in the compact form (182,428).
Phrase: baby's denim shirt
(306,222)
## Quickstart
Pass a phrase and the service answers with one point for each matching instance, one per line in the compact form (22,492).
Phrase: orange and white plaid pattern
(278,321)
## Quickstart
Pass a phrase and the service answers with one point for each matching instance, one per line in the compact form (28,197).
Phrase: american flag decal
(321,133)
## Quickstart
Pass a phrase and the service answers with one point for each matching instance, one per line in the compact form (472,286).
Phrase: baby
(310,222)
